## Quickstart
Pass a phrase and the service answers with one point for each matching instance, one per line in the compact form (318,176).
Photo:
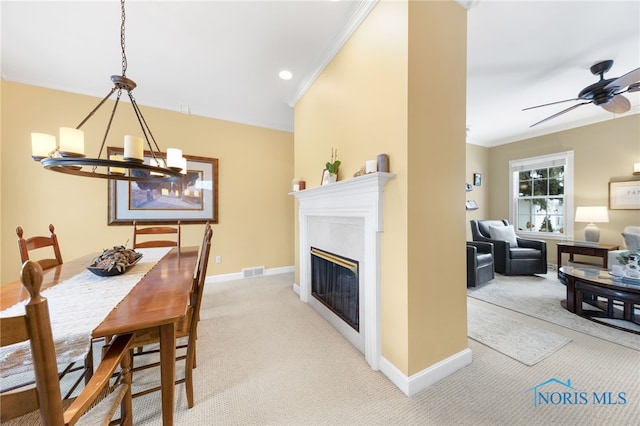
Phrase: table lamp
(592,214)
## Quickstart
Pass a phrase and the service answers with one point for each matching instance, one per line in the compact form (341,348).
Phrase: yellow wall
(602,152)
(436,170)
(376,96)
(255,171)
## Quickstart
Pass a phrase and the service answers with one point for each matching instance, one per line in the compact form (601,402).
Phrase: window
(541,202)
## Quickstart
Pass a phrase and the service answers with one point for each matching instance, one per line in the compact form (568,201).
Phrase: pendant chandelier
(68,156)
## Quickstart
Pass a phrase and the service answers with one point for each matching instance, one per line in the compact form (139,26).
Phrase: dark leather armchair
(479,263)
(528,257)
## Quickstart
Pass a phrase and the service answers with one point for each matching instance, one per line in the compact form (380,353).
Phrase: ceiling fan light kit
(68,156)
(606,93)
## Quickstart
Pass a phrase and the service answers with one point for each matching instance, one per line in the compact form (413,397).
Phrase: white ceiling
(221,58)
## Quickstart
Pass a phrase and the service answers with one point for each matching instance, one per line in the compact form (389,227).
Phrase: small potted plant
(333,166)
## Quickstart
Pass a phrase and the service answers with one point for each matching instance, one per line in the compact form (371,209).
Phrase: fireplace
(335,283)
(346,218)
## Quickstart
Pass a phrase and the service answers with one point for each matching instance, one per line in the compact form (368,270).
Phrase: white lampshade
(42,145)
(71,142)
(133,148)
(592,214)
(116,170)
(636,169)
(183,166)
(174,158)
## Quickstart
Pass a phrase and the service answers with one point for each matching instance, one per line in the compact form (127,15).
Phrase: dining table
(156,296)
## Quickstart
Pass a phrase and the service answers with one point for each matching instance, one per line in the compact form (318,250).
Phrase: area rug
(541,296)
(518,340)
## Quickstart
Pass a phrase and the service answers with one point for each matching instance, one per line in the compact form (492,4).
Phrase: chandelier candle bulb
(157,163)
(371,166)
(183,166)
(71,142)
(174,158)
(42,145)
(133,148)
(116,170)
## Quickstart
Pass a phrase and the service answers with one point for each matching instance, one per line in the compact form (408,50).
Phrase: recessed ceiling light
(286,75)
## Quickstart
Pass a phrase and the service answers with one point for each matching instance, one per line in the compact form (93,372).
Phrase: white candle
(71,141)
(156,163)
(41,145)
(371,166)
(116,170)
(133,147)
(174,158)
(183,166)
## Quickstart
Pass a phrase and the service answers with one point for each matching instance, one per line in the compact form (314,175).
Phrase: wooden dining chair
(154,231)
(37,242)
(98,401)
(185,328)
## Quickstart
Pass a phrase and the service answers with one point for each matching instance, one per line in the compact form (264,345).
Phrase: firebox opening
(335,283)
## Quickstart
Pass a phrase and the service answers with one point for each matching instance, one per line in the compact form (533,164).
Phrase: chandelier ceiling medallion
(68,156)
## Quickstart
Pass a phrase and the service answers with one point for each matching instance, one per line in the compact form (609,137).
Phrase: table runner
(76,307)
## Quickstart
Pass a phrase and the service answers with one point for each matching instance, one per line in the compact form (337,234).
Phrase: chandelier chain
(122,39)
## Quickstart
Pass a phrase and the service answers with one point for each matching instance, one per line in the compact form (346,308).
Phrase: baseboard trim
(238,275)
(426,378)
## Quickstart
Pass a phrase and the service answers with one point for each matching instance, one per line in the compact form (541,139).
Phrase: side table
(573,248)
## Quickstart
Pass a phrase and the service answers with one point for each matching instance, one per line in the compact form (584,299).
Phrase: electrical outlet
(218,259)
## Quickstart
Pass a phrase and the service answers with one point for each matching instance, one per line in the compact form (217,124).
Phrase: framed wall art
(477,179)
(624,195)
(471,205)
(193,200)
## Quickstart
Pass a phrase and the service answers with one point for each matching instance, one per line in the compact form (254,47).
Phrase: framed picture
(624,195)
(194,200)
(477,179)
(471,205)
(468,187)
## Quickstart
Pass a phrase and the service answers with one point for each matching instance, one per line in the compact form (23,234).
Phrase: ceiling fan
(606,93)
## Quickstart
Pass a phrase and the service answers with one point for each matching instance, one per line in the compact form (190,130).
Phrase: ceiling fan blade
(626,80)
(634,87)
(618,105)
(552,103)
(560,113)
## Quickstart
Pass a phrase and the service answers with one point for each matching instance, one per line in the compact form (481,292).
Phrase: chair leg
(126,407)
(88,365)
(188,372)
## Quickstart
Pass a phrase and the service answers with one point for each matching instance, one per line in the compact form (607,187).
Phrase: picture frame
(624,195)
(477,179)
(468,187)
(471,205)
(194,200)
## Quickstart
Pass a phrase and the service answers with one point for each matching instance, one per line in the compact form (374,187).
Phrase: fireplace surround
(346,218)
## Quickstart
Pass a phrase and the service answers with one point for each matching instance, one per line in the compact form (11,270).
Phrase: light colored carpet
(522,342)
(265,358)
(541,296)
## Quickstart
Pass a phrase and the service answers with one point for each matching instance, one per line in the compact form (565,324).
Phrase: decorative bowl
(105,272)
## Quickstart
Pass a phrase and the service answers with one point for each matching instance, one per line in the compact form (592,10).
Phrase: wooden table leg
(168,370)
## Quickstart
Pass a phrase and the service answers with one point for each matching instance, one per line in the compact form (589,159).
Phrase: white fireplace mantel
(360,197)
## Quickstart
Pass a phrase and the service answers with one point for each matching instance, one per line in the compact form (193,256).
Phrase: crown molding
(359,13)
